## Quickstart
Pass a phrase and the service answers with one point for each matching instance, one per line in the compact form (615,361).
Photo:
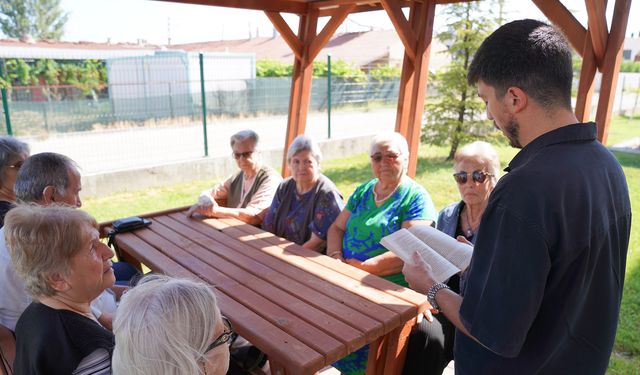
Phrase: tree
(456,115)
(41,19)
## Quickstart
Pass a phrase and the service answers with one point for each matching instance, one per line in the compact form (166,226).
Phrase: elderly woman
(377,208)
(306,203)
(58,253)
(476,168)
(170,326)
(245,194)
(13,153)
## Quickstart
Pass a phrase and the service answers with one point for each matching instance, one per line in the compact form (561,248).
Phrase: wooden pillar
(611,67)
(300,85)
(586,84)
(413,82)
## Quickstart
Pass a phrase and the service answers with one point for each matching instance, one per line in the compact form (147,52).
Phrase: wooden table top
(303,309)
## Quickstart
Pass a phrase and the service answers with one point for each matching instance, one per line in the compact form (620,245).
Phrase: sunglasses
(238,155)
(225,337)
(477,176)
(377,157)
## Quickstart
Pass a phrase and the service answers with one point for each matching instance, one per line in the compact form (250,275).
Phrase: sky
(159,22)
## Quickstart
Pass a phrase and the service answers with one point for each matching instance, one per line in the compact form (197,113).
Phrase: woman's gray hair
(395,139)
(244,135)
(482,152)
(42,240)
(10,147)
(42,170)
(164,325)
(304,143)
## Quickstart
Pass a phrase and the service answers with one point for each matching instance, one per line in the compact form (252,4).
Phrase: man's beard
(512,132)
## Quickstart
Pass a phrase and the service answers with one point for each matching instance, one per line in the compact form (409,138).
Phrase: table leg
(276,368)
(387,354)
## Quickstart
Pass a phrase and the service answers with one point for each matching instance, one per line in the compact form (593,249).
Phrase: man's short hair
(42,170)
(530,55)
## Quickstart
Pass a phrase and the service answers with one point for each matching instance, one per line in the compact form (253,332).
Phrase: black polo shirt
(543,291)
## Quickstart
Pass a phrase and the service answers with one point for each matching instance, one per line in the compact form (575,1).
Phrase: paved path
(120,149)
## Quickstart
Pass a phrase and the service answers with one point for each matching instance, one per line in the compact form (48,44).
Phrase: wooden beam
(586,84)
(611,67)
(414,81)
(327,32)
(267,6)
(285,31)
(406,34)
(560,16)
(598,28)
(300,85)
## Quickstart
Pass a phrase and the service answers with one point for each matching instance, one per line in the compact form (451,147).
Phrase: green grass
(435,174)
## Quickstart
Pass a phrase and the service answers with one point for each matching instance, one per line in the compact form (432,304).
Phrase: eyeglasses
(17,165)
(377,157)
(477,176)
(225,337)
(238,155)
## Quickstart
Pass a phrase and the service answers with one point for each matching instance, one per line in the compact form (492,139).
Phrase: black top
(50,341)
(543,290)
(4,208)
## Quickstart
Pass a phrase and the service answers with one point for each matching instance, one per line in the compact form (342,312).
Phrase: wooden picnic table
(303,309)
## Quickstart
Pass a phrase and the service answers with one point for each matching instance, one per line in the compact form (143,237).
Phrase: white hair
(393,139)
(243,135)
(481,152)
(304,143)
(164,326)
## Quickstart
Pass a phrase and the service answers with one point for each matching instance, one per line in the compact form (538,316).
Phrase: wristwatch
(431,294)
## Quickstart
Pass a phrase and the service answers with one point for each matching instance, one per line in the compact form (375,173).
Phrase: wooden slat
(335,291)
(598,30)
(559,15)
(105,226)
(163,238)
(270,5)
(285,31)
(406,294)
(403,28)
(611,67)
(260,279)
(327,32)
(353,284)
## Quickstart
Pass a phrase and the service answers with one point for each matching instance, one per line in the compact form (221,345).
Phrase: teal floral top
(368,223)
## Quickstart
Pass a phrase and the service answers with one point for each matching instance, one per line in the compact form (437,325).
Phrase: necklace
(375,195)
(469,232)
(72,308)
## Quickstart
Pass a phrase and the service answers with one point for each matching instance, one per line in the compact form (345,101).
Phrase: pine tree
(40,19)
(455,115)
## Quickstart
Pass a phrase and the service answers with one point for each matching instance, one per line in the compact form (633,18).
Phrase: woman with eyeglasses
(388,202)
(306,203)
(476,166)
(170,326)
(245,194)
(13,152)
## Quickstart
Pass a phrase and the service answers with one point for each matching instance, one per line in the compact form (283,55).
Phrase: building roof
(361,48)
(60,50)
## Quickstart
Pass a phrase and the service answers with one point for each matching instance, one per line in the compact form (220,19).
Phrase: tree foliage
(339,68)
(41,19)
(455,115)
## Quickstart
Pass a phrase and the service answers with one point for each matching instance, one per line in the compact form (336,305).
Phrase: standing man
(542,293)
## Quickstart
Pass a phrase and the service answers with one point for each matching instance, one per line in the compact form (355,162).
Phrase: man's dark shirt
(543,291)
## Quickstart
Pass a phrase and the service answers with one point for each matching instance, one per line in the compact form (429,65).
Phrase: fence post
(329,96)
(620,111)
(204,104)
(5,101)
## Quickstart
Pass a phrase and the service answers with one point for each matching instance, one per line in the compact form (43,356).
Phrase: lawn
(434,172)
